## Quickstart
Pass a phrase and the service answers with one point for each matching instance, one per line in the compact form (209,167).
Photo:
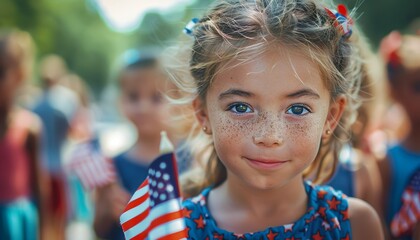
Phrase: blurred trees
(69,28)
(377,18)
(74,30)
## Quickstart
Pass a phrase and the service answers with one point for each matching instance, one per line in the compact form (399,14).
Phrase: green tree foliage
(69,28)
(377,18)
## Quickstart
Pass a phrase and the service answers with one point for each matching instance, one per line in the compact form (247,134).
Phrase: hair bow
(190,26)
(342,20)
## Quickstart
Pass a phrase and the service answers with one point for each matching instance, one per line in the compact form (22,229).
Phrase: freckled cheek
(226,130)
(307,138)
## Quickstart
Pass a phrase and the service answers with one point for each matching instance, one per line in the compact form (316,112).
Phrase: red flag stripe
(166,218)
(178,235)
(136,220)
(134,203)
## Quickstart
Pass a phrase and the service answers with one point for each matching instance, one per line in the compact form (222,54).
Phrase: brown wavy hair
(241,29)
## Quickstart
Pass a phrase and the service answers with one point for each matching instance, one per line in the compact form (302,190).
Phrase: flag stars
(162,165)
(158,174)
(166,177)
(162,197)
(169,188)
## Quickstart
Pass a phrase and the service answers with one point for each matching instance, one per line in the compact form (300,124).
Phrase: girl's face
(267,117)
(142,101)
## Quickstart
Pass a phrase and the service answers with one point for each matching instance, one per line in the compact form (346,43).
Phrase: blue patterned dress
(326,218)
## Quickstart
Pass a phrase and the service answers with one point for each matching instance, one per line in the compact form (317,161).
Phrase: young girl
(21,190)
(142,84)
(275,90)
(403,158)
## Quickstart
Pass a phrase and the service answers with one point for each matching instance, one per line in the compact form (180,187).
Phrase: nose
(268,140)
(269,133)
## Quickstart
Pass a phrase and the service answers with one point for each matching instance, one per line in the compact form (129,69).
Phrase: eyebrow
(304,92)
(235,92)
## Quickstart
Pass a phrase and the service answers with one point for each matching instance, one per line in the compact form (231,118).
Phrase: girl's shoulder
(364,220)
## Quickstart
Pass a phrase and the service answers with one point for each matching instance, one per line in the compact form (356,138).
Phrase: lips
(265,164)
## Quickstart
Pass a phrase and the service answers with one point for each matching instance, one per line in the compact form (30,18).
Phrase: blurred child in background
(21,187)
(401,166)
(56,107)
(143,86)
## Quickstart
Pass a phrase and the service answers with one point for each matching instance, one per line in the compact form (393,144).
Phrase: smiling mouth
(265,164)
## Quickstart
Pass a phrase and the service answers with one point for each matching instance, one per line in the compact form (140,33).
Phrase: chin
(265,184)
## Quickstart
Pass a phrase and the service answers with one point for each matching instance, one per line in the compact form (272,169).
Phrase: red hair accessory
(342,20)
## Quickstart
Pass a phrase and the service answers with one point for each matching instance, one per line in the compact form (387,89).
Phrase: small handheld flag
(91,166)
(409,214)
(154,211)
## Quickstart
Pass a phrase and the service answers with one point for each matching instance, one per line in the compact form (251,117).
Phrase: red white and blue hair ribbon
(342,20)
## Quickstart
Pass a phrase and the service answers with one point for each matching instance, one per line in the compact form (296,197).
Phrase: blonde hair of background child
(243,29)
(17,50)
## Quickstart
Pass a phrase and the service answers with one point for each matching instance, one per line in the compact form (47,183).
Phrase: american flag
(90,165)
(409,214)
(154,211)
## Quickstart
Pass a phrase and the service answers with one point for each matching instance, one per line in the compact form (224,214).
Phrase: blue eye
(240,108)
(298,110)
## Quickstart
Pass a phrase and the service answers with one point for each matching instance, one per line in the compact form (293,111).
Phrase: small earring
(328,132)
(205,129)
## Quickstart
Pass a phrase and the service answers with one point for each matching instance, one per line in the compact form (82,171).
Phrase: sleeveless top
(403,164)
(14,160)
(326,218)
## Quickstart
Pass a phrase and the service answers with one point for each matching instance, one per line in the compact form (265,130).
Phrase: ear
(334,114)
(200,110)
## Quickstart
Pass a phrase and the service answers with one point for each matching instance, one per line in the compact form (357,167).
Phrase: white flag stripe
(173,226)
(140,192)
(90,171)
(170,206)
(138,209)
(84,170)
(126,216)
(417,202)
(139,228)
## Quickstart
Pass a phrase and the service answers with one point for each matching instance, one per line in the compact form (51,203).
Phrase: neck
(290,199)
